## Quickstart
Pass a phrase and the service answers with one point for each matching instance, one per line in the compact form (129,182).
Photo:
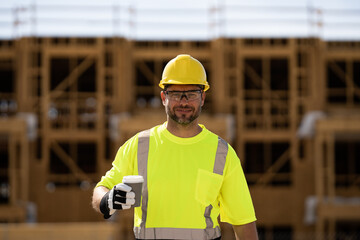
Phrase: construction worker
(190,174)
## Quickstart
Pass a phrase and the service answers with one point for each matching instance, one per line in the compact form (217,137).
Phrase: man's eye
(191,95)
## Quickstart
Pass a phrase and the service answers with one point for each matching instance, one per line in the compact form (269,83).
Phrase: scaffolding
(91,94)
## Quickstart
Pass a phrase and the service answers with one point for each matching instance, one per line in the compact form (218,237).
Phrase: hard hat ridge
(184,69)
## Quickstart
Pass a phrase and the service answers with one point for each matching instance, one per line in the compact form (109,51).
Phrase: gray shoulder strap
(220,157)
(142,155)
(143,151)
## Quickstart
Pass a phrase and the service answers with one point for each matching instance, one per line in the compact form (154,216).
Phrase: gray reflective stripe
(208,220)
(177,233)
(143,151)
(220,157)
(142,155)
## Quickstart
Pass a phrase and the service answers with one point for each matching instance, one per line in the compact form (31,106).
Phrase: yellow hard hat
(184,69)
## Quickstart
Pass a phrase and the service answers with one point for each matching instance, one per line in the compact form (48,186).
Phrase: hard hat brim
(179,82)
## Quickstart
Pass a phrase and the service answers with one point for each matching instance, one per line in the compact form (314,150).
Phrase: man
(190,174)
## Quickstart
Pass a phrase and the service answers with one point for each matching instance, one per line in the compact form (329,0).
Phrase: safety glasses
(189,95)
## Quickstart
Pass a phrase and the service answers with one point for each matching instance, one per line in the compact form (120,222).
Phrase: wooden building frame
(265,85)
(15,132)
(329,208)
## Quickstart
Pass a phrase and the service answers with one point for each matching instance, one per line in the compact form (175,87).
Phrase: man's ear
(162,95)
(203,95)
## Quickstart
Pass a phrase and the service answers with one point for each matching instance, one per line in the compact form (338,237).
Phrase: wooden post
(319,183)
(218,84)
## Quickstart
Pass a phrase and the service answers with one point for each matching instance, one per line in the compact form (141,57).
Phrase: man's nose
(183,96)
(183,99)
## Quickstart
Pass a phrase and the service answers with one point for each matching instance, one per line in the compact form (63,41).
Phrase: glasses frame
(184,94)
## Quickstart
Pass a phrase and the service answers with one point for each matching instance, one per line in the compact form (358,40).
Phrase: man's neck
(184,131)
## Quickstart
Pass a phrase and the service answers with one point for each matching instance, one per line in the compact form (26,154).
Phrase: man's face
(183,107)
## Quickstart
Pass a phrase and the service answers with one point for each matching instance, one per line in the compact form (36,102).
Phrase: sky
(181,20)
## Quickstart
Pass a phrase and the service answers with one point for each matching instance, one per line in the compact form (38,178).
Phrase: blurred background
(78,78)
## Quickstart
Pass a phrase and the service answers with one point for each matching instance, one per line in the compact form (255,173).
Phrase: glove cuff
(104,209)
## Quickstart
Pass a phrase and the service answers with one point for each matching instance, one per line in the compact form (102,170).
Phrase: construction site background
(288,102)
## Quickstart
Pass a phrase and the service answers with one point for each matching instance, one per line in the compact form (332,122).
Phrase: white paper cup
(136,183)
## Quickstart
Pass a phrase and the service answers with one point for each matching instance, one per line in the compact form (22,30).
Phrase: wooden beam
(162,54)
(73,135)
(274,168)
(339,211)
(254,76)
(11,213)
(72,51)
(266,135)
(339,125)
(265,52)
(343,54)
(7,54)
(59,231)
(69,162)
(12,125)
(72,77)
(148,73)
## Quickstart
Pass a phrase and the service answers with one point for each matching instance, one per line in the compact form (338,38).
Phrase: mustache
(184,108)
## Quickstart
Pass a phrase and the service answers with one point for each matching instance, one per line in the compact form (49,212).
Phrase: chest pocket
(208,184)
(207,187)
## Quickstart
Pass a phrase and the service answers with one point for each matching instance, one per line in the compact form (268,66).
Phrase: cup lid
(133,179)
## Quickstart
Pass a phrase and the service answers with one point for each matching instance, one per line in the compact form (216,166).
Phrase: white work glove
(120,197)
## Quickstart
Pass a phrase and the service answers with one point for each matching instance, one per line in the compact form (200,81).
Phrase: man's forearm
(246,232)
(98,193)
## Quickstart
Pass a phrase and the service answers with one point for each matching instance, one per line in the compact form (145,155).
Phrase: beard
(183,119)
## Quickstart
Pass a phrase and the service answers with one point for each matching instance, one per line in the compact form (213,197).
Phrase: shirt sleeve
(236,205)
(124,164)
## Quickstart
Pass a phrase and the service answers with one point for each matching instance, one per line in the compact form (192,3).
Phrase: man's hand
(120,197)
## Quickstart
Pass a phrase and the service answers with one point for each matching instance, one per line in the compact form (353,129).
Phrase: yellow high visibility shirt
(181,182)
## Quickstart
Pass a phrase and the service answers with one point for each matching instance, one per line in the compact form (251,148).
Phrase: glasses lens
(192,95)
(175,96)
